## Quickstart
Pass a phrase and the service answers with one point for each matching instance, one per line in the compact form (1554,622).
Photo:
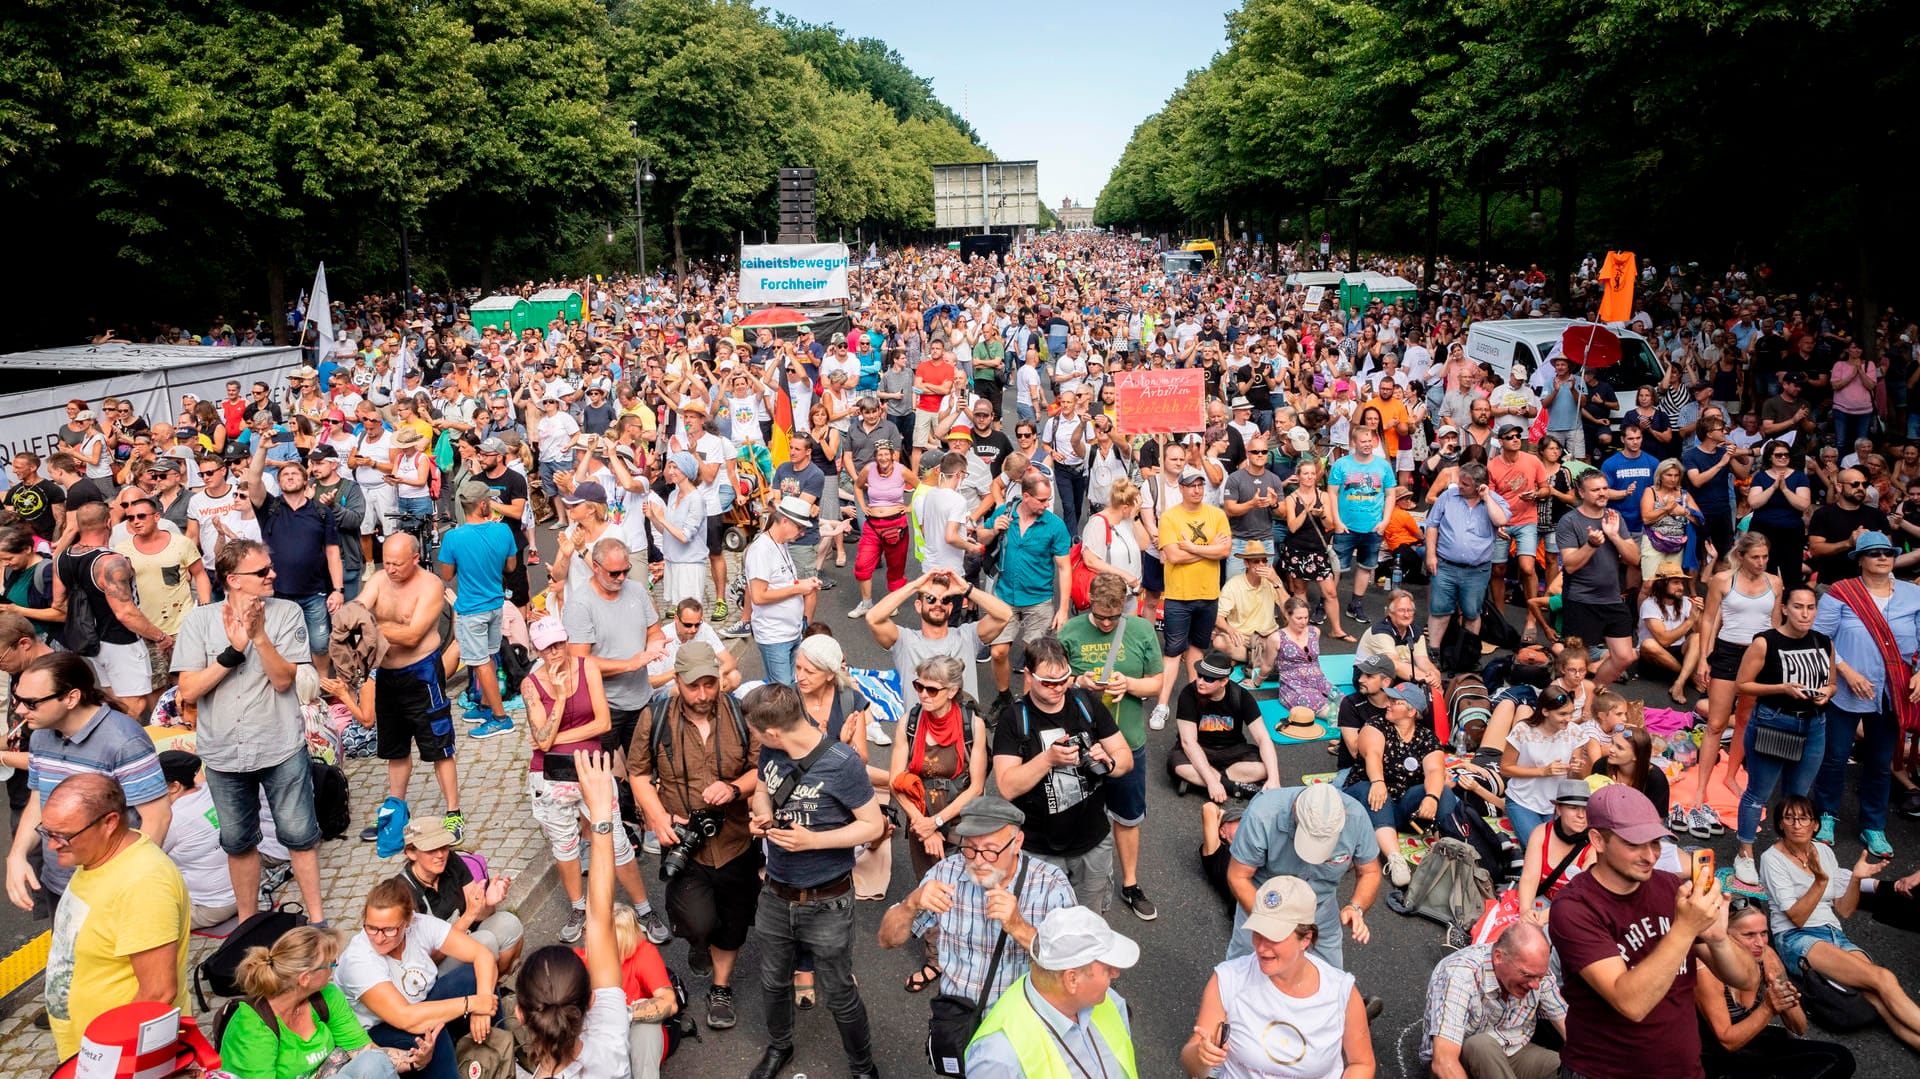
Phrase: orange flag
(1616,276)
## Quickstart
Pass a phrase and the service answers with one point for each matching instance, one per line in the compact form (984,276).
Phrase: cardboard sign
(1160,402)
(1315,294)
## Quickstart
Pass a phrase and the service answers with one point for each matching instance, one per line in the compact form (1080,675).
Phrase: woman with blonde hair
(651,1000)
(294,1021)
(1112,539)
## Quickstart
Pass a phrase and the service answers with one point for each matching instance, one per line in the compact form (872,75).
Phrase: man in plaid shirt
(968,897)
(1482,1003)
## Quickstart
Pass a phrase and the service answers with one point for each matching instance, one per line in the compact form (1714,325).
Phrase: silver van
(1531,340)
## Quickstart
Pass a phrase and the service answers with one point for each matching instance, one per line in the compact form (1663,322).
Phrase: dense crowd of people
(1739,537)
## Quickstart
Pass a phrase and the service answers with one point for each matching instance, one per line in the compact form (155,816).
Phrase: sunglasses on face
(1050,683)
(263,572)
(616,574)
(933,600)
(929,688)
(29,703)
(61,839)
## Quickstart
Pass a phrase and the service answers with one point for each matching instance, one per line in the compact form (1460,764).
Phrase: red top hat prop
(146,1040)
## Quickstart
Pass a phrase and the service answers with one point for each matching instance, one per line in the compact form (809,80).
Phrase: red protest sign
(1160,402)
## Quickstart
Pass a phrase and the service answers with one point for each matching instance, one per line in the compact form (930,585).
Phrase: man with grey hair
(1075,960)
(476,557)
(614,622)
(1463,527)
(1483,1002)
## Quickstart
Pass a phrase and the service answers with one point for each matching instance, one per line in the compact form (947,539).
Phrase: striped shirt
(1464,999)
(111,744)
(967,935)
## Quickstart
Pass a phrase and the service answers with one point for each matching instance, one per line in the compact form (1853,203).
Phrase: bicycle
(422,526)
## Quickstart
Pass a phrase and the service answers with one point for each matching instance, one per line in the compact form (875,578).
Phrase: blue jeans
(289,788)
(1071,484)
(1848,427)
(1398,813)
(1764,773)
(823,927)
(549,469)
(1524,820)
(1876,765)
(777,660)
(422,507)
(451,985)
(319,622)
(1458,588)
(1356,549)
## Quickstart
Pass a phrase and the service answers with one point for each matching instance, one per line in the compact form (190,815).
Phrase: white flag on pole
(320,312)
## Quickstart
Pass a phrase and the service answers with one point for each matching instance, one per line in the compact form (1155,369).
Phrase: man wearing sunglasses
(937,596)
(613,620)
(1835,525)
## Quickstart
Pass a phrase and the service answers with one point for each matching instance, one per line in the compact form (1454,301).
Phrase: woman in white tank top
(1290,1014)
(1742,601)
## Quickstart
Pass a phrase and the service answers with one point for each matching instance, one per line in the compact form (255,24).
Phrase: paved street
(1178,949)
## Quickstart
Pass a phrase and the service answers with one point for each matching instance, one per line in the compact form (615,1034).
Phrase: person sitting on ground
(1218,823)
(1800,876)
(1738,1038)
(651,999)
(1405,785)
(293,1020)
(1303,684)
(398,992)
(193,840)
(1483,1003)
(443,886)
(1245,627)
(1400,637)
(1222,736)
(1281,985)
(1669,625)
(1557,851)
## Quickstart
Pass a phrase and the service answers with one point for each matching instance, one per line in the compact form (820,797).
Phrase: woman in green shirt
(293,1023)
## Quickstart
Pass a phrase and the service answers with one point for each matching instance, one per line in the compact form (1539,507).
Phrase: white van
(1532,340)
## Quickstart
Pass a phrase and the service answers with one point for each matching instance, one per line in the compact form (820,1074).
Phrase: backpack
(265,1011)
(1836,1008)
(1449,887)
(216,972)
(80,633)
(1081,590)
(332,804)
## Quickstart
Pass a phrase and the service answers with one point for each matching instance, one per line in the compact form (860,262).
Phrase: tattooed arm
(114,574)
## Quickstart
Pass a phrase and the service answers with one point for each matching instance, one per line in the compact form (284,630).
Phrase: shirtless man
(410,703)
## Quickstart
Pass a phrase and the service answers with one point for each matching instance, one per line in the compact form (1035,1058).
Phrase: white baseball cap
(1319,814)
(1072,937)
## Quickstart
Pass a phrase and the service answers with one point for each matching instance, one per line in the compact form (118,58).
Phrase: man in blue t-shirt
(1362,485)
(814,805)
(1629,473)
(476,557)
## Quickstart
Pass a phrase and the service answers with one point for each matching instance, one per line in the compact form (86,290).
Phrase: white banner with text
(792,273)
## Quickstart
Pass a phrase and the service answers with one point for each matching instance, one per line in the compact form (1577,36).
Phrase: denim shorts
(1458,588)
(1794,944)
(478,635)
(319,622)
(1126,795)
(1353,549)
(289,789)
(1526,538)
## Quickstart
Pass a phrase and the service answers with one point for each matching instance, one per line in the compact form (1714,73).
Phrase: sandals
(1343,636)
(928,974)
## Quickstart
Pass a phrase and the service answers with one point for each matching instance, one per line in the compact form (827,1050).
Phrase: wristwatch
(602,827)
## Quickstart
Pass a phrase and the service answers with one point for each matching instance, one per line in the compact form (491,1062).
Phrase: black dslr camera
(1090,766)
(702,825)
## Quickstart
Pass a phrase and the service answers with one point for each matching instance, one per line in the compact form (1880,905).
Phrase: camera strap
(801,766)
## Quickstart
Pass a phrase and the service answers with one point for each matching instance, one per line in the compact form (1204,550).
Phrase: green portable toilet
(1392,290)
(552,303)
(1355,289)
(506,313)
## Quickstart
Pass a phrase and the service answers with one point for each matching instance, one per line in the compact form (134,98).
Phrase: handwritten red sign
(1160,402)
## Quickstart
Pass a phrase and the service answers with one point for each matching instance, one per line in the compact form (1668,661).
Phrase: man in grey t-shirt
(1250,495)
(236,661)
(937,595)
(615,622)
(1593,540)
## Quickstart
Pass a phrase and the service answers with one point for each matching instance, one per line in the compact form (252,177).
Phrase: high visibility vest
(1013,1016)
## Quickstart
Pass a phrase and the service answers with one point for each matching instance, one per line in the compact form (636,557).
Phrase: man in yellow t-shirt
(120,933)
(1195,539)
(1248,628)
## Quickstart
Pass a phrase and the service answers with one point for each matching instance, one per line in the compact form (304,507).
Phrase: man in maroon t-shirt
(1628,935)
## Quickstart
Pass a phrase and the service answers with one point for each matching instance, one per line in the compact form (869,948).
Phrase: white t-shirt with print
(413,972)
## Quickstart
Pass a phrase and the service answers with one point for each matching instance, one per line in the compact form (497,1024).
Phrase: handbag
(1778,735)
(1836,1008)
(952,1019)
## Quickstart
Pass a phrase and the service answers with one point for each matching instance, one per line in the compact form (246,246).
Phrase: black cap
(323,452)
(179,766)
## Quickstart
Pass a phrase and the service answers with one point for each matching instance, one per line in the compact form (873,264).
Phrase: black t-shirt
(1065,816)
(1222,723)
(34,503)
(992,448)
(1806,661)
(1834,523)
(447,900)
(84,491)
(1403,763)
(510,486)
(1356,711)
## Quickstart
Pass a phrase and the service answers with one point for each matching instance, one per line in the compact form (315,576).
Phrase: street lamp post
(642,176)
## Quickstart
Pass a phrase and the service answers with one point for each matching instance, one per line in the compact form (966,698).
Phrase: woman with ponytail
(293,1022)
(574,1012)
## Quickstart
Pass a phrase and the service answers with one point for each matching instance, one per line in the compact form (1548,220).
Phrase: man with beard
(988,886)
(339,495)
(1835,525)
(936,597)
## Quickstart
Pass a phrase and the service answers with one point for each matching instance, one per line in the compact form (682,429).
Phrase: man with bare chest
(409,702)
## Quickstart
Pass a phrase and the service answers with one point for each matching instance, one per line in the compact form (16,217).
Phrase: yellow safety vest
(1013,1016)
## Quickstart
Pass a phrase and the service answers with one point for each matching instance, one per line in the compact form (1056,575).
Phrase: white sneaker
(1398,870)
(860,608)
(877,735)
(1744,871)
(1158,720)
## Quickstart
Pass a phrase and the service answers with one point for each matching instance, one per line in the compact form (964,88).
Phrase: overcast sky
(1062,82)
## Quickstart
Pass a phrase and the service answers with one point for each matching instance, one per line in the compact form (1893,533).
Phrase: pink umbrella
(777,316)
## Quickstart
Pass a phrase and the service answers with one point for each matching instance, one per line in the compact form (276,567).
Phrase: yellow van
(1204,247)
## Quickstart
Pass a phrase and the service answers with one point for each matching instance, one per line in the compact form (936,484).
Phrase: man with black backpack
(691,766)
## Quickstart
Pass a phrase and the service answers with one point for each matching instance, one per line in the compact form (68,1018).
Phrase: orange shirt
(1391,412)
(1402,529)
(1526,473)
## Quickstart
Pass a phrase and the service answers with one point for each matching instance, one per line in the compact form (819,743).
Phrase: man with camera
(815,807)
(691,766)
(1052,751)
